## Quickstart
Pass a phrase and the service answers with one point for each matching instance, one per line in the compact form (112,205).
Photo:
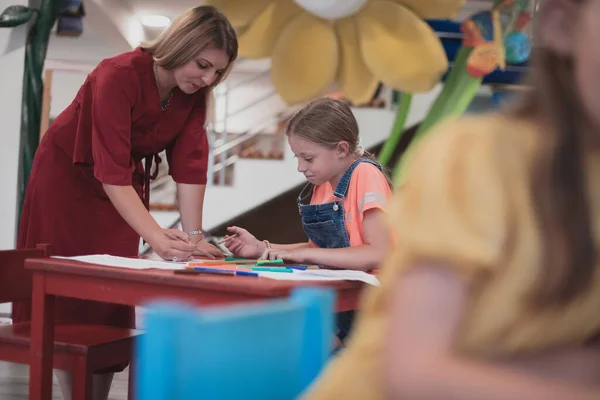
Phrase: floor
(14,383)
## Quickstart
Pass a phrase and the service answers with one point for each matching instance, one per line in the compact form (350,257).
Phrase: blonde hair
(327,122)
(193,31)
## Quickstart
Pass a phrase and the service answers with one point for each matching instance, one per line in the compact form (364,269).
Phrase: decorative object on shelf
(70,21)
(355,44)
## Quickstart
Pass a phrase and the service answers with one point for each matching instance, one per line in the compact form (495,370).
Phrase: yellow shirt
(466,199)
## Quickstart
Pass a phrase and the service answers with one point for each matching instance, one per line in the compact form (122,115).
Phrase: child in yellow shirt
(493,289)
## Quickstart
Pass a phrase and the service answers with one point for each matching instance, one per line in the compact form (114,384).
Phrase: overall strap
(304,193)
(341,189)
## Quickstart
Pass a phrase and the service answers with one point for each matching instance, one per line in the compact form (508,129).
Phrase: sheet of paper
(124,262)
(323,275)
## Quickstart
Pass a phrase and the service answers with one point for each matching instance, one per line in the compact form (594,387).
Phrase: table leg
(42,340)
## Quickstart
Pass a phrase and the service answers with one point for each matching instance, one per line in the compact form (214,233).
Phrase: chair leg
(101,385)
(82,380)
(131,385)
(65,382)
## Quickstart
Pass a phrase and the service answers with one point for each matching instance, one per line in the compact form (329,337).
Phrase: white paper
(124,262)
(323,275)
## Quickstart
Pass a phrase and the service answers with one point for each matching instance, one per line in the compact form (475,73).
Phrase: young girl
(341,207)
(493,289)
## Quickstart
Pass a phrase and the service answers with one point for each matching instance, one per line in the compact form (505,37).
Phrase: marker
(215,271)
(270,264)
(198,271)
(298,267)
(262,262)
(266,269)
(226,238)
(246,273)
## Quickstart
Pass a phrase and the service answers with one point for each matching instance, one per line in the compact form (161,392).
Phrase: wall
(12,57)
(65,85)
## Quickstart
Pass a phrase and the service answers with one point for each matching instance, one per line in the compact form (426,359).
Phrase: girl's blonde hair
(193,31)
(327,122)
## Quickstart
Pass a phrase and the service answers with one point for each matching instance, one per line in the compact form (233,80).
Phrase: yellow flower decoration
(356,43)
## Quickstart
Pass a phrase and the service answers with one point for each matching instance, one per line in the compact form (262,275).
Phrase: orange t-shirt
(368,189)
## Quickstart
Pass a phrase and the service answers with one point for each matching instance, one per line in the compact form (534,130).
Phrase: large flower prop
(496,37)
(354,43)
(491,39)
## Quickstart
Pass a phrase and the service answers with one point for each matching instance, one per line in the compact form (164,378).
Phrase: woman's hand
(205,249)
(170,243)
(243,244)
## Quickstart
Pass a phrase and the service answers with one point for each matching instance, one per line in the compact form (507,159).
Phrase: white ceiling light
(155,21)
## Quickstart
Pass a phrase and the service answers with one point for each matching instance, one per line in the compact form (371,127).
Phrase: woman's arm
(426,309)
(167,243)
(130,207)
(364,258)
(191,204)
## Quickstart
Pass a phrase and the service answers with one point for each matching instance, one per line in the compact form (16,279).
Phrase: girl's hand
(170,243)
(296,255)
(242,243)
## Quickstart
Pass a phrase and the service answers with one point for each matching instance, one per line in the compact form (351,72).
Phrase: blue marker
(215,271)
(246,273)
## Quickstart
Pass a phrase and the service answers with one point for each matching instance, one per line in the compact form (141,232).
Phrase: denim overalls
(325,226)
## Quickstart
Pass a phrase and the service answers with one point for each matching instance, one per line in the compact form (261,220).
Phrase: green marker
(267,269)
(261,262)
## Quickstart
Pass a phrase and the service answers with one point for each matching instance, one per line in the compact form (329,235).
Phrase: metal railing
(223,142)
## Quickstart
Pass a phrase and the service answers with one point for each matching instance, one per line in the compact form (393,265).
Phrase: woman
(493,288)
(88,189)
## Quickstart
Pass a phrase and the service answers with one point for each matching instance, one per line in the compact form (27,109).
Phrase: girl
(88,190)
(493,290)
(341,207)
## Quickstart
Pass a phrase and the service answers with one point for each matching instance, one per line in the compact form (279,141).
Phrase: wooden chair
(269,350)
(80,349)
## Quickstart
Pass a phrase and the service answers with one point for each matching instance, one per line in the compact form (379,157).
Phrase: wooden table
(66,278)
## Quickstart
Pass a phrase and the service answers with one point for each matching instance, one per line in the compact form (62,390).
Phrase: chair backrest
(15,280)
(267,350)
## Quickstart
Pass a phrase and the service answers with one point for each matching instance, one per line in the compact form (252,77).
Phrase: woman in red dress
(88,188)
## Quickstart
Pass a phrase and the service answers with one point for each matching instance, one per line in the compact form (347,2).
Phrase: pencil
(226,238)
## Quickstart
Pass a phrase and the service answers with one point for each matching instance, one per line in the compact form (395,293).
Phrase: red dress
(113,124)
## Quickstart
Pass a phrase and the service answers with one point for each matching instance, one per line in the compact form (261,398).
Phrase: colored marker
(262,262)
(270,264)
(246,273)
(297,267)
(266,269)
(215,271)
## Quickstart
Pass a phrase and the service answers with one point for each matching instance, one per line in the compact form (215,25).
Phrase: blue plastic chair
(267,350)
